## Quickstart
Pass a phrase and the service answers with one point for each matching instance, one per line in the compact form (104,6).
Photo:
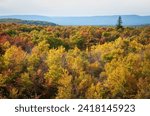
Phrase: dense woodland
(74,62)
(30,22)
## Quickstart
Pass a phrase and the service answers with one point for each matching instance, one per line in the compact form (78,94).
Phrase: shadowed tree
(119,23)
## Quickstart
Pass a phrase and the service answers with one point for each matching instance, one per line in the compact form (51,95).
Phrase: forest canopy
(74,62)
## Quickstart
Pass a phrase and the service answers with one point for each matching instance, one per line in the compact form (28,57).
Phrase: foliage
(74,62)
(119,23)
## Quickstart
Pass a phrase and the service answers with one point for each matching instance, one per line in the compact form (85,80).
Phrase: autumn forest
(74,62)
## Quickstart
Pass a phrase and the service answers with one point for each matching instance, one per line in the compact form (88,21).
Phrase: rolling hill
(128,20)
(31,22)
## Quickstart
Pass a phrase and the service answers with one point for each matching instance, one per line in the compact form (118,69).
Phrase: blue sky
(74,7)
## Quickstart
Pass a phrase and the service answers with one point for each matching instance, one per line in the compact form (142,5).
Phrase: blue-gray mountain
(128,20)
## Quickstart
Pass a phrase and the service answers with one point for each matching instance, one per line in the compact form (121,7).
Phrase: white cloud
(75,7)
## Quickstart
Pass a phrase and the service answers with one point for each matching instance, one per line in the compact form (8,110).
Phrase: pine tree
(119,23)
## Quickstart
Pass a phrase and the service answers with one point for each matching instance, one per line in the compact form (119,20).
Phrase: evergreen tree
(119,23)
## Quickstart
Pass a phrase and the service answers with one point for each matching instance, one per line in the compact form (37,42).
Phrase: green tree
(119,23)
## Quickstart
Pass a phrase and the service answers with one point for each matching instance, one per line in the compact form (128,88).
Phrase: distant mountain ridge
(31,22)
(128,20)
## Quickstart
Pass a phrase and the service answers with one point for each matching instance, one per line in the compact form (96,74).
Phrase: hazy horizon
(74,8)
(73,16)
